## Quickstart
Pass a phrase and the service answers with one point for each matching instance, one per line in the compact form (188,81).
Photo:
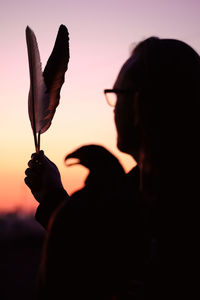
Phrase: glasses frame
(115,91)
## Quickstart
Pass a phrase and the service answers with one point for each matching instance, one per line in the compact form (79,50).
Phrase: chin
(128,149)
(123,147)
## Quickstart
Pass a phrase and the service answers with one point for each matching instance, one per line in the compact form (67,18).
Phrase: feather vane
(54,72)
(44,93)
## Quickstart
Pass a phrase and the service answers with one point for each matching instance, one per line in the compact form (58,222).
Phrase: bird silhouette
(102,164)
(106,174)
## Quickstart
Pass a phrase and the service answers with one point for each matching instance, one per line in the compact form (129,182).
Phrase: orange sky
(101,36)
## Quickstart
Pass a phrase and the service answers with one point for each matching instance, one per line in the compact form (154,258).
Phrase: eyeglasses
(111,95)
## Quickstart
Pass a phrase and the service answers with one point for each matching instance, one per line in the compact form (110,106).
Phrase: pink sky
(101,36)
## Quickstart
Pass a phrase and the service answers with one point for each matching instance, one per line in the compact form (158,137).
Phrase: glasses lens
(111,98)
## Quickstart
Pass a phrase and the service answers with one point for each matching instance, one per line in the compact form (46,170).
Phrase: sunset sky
(102,33)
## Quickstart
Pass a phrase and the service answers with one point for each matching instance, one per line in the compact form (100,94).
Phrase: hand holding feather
(44,93)
(43,177)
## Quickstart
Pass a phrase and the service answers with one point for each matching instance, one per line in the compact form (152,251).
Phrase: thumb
(41,153)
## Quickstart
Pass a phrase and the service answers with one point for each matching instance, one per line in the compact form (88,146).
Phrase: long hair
(169,81)
(169,84)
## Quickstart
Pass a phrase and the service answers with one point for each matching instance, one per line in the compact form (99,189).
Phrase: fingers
(35,168)
(37,155)
(27,181)
(34,164)
(30,172)
(32,179)
(35,171)
(33,185)
(37,160)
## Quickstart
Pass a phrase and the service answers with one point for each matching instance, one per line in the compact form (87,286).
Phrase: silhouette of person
(133,238)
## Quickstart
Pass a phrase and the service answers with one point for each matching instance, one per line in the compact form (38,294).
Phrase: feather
(54,72)
(45,87)
(37,85)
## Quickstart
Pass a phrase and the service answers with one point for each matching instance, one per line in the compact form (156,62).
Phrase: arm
(50,206)
(43,179)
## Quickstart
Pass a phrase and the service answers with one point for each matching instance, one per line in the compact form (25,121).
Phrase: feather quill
(44,94)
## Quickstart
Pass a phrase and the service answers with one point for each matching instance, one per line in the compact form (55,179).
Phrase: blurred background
(102,35)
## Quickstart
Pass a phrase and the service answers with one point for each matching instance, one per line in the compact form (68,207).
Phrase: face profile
(160,84)
(126,108)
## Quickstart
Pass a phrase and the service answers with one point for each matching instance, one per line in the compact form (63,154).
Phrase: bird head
(100,161)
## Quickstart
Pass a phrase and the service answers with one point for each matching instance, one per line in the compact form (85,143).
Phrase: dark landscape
(21,239)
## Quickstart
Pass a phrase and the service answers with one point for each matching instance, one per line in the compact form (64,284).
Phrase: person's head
(158,92)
